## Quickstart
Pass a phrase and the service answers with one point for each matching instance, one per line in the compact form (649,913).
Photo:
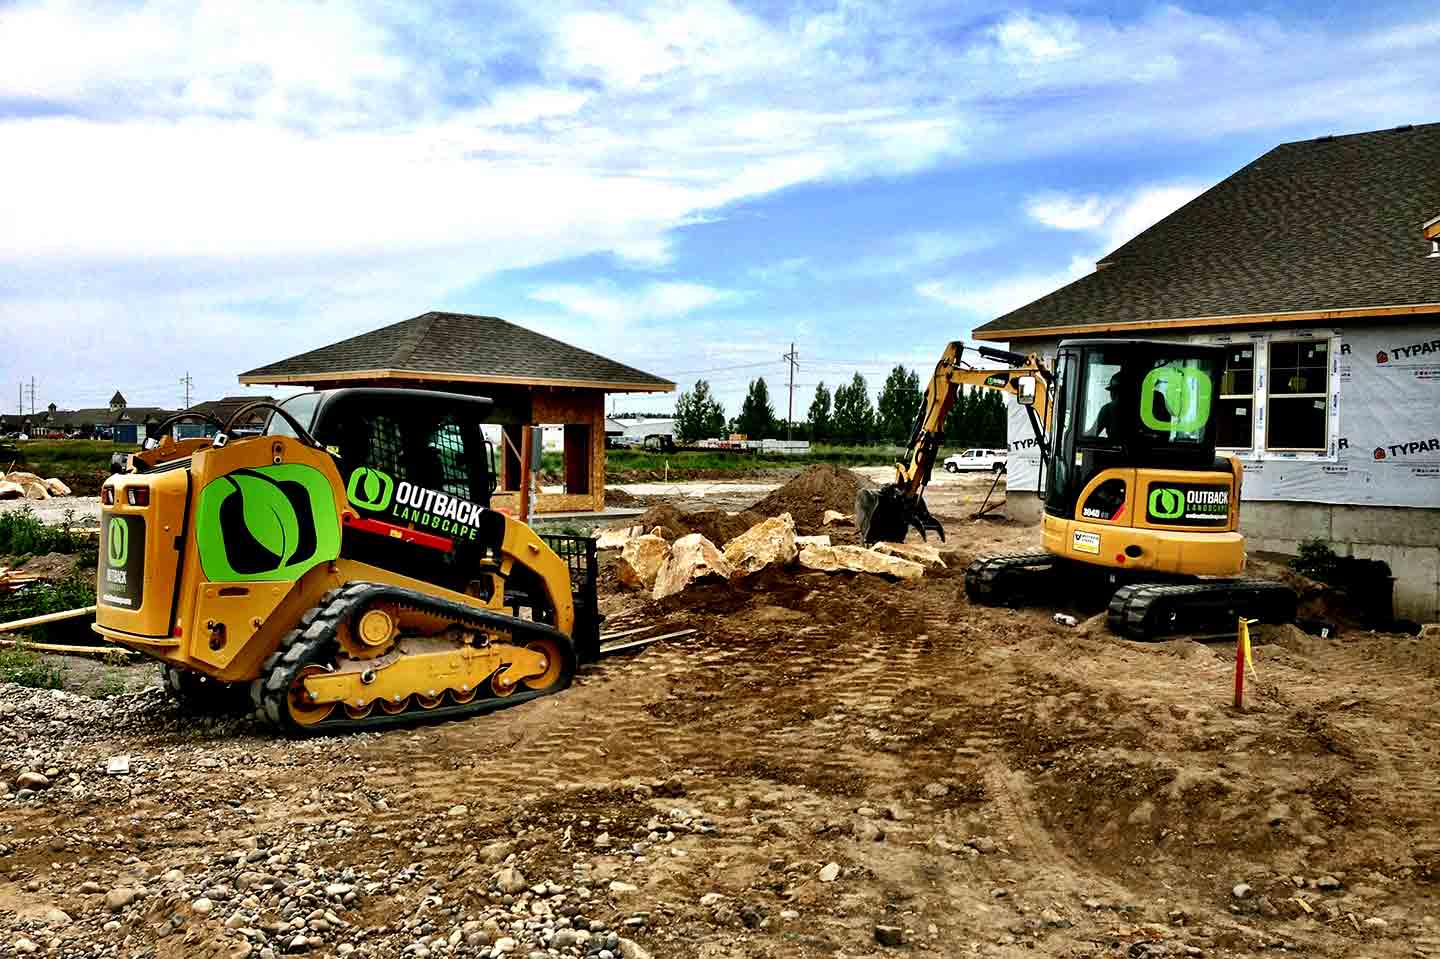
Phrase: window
(1176,398)
(301,406)
(1102,405)
(445,451)
(1234,426)
(1298,392)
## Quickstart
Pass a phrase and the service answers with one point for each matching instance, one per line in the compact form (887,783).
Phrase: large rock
(770,543)
(33,485)
(615,537)
(1430,632)
(640,560)
(56,487)
(9,490)
(835,516)
(803,541)
(834,559)
(692,558)
(922,553)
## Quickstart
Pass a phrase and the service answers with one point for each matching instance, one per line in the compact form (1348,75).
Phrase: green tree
(899,402)
(990,420)
(757,416)
(698,415)
(854,418)
(819,416)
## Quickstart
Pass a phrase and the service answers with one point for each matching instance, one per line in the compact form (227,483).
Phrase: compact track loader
(1138,508)
(342,570)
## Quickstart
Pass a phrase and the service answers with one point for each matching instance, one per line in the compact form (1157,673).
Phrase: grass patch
(80,464)
(23,534)
(27,668)
(623,461)
(37,599)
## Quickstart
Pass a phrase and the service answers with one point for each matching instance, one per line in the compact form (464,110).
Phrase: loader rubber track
(1008,580)
(1151,612)
(314,643)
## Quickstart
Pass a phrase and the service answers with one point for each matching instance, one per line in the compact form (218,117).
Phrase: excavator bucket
(887,514)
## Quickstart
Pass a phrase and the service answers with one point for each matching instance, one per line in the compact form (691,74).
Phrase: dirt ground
(828,762)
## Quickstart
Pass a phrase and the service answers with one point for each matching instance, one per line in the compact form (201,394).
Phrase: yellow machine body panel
(172,584)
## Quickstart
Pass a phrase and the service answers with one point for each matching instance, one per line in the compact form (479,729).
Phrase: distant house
(118,421)
(533,380)
(1316,267)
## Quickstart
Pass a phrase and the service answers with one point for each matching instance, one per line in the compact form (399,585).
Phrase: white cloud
(611,304)
(1064,212)
(1027,38)
(1111,221)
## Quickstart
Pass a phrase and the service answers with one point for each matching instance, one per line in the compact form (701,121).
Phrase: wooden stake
(47,618)
(525,473)
(106,650)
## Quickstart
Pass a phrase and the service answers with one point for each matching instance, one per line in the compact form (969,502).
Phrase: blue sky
(686,187)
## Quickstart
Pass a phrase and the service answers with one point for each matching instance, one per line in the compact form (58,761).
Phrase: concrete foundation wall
(1406,538)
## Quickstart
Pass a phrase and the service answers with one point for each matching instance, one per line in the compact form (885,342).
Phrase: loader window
(384,445)
(1175,400)
(446,448)
(1102,402)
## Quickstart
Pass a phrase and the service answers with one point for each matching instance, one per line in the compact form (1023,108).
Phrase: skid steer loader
(343,570)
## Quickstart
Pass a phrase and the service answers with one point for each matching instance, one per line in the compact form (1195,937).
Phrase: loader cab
(417,474)
(1129,404)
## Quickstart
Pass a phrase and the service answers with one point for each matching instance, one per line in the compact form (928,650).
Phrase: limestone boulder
(1430,633)
(33,485)
(922,553)
(9,490)
(858,559)
(692,558)
(768,543)
(614,537)
(835,516)
(56,487)
(640,560)
(803,541)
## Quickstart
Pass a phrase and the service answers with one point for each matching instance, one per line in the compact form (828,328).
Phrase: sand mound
(809,495)
(619,497)
(718,526)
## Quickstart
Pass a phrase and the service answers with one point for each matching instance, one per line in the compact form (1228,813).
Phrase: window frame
(1324,395)
(1255,349)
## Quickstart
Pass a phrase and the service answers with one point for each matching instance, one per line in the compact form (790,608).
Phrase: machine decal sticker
(1185,391)
(375,491)
(1184,504)
(271,522)
(1084,542)
(122,574)
(370,489)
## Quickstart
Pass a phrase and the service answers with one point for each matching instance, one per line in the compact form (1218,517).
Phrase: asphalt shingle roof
(465,346)
(1327,224)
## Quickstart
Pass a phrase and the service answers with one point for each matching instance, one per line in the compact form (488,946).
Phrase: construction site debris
(836,517)
(614,537)
(691,558)
(640,559)
(821,489)
(9,490)
(858,559)
(922,553)
(770,542)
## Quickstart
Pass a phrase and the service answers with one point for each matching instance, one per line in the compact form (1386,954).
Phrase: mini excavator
(1137,506)
(341,570)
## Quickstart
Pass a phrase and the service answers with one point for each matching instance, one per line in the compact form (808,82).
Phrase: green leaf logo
(370,489)
(1183,391)
(271,522)
(117,542)
(1166,503)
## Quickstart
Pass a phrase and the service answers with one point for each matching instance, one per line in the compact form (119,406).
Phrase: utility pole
(791,358)
(32,397)
(187,382)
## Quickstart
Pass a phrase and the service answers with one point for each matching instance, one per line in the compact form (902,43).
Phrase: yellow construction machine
(1138,508)
(341,570)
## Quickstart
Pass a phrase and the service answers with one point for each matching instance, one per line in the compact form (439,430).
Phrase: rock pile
(20,485)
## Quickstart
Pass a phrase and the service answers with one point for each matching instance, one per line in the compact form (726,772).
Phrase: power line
(722,369)
(791,359)
(187,382)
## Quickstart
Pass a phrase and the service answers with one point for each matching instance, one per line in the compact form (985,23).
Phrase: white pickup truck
(976,459)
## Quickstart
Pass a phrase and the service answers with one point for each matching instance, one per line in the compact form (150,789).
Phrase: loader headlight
(107,496)
(137,495)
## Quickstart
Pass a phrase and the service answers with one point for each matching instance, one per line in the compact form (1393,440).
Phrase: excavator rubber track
(315,647)
(1151,612)
(1010,580)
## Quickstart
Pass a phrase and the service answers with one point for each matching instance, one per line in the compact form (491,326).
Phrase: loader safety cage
(580,555)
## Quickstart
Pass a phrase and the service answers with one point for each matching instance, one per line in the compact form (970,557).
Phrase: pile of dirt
(51,566)
(718,526)
(619,497)
(809,495)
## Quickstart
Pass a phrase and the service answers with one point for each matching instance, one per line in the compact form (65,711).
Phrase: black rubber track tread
(989,580)
(1141,610)
(316,644)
